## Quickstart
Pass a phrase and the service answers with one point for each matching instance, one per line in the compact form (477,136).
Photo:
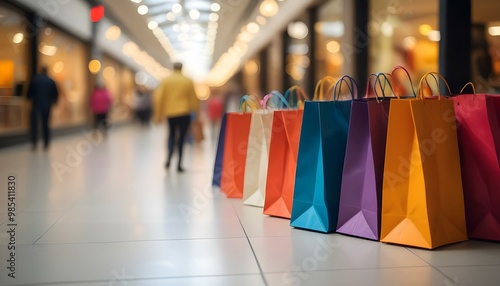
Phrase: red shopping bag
(235,149)
(284,147)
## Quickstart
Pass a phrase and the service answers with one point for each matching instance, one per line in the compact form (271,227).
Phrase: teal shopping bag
(320,161)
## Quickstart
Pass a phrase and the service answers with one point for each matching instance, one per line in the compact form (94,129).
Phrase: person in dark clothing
(43,94)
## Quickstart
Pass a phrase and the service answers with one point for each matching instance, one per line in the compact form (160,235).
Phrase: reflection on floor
(106,212)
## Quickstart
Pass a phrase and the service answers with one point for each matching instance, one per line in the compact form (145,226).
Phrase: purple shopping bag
(361,191)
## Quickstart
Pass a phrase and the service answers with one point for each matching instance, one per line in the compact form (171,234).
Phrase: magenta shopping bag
(478,120)
(361,191)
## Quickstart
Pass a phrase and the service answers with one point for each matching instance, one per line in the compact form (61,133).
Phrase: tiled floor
(107,213)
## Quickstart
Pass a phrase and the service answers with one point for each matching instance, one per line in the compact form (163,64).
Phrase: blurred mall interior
(115,216)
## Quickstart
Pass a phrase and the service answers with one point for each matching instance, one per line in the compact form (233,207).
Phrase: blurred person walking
(100,104)
(175,99)
(141,104)
(43,93)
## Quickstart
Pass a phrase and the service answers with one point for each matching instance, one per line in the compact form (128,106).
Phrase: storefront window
(329,31)
(65,58)
(14,66)
(404,33)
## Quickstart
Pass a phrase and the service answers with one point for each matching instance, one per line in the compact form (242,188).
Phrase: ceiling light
(18,38)
(387,29)
(268,8)
(194,14)
(142,10)
(109,72)
(152,25)
(253,27)
(425,29)
(261,20)
(113,33)
(136,1)
(213,17)
(171,16)
(494,31)
(94,66)
(176,8)
(215,7)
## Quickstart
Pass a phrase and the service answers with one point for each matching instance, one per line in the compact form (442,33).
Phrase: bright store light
(425,29)
(298,30)
(252,67)
(108,73)
(434,36)
(194,14)
(333,47)
(176,8)
(330,29)
(113,33)
(409,43)
(152,25)
(253,27)
(202,91)
(18,38)
(142,10)
(136,1)
(387,29)
(47,50)
(494,31)
(213,17)
(215,7)
(268,8)
(245,37)
(58,67)
(94,66)
(130,48)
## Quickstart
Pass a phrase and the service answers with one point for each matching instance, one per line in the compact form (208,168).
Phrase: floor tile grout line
(251,247)
(128,280)
(447,278)
(139,241)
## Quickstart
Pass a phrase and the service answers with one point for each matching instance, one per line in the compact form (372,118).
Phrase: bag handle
(382,88)
(471,85)
(249,102)
(319,90)
(343,79)
(271,95)
(424,78)
(300,96)
(399,67)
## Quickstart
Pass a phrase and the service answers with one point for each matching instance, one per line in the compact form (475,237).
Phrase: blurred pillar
(311,71)
(455,46)
(264,71)
(356,41)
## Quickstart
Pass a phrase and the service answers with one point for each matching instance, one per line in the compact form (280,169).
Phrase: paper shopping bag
(259,139)
(235,149)
(283,151)
(219,153)
(422,200)
(320,163)
(361,192)
(479,141)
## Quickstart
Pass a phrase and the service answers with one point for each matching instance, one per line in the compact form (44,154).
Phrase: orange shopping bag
(422,199)
(235,148)
(284,147)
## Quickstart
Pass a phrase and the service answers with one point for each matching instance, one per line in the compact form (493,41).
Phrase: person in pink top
(100,104)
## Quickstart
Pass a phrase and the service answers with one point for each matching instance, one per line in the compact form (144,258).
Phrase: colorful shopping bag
(422,200)
(320,161)
(235,149)
(259,139)
(478,117)
(219,154)
(283,151)
(361,192)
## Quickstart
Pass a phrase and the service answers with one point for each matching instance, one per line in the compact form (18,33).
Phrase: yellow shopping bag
(422,201)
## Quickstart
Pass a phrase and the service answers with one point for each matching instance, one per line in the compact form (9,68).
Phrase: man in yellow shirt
(175,99)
